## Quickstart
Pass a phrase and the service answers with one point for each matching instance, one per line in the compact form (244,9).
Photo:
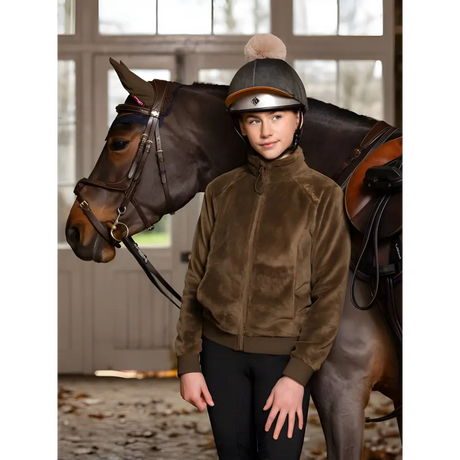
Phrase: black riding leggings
(240,384)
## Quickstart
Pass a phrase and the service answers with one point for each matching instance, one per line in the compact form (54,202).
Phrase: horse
(198,143)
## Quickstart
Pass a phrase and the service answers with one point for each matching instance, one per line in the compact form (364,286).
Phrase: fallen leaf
(313,419)
(319,449)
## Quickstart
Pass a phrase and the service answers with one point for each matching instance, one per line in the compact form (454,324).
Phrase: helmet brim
(254,90)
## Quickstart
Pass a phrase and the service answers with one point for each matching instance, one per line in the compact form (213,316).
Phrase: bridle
(117,231)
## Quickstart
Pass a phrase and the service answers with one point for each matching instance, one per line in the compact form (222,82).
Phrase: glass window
(245,17)
(360,87)
(161,235)
(216,76)
(353,85)
(320,79)
(361,17)
(66,17)
(138,17)
(127,17)
(184,16)
(66,142)
(338,17)
(315,17)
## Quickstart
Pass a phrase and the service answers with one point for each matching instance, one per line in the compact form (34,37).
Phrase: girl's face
(270,133)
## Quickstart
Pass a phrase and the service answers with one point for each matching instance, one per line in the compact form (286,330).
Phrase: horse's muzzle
(97,249)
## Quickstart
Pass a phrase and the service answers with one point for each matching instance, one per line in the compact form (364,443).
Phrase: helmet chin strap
(295,140)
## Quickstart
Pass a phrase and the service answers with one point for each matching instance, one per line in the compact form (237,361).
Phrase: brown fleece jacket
(269,265)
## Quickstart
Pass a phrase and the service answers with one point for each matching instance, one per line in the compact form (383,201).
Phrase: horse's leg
(362,356)
(340,407)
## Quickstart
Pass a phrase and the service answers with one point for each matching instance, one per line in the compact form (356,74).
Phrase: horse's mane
(324,110)
(220,90)
(333,112)
(201,85)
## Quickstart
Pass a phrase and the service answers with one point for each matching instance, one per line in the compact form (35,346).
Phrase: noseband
(114,232)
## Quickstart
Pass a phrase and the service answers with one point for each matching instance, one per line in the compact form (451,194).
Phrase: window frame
(88,42)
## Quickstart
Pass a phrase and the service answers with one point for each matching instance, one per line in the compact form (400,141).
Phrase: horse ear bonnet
(267,81)
(134,84)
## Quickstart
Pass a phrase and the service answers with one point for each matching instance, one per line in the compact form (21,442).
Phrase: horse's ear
(134,84)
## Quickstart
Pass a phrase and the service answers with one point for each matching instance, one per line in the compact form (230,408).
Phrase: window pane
(343,17)
(66,17)
(127,17)
(319,78)
(361,17)
(159,236)
(66,198)
(184,16)
(315,17)
(244,17)
(66,121)
(118,94)
(352,85)
(361,87)
(216,76)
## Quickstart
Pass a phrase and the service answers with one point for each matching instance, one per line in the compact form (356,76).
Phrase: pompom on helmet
(266,83)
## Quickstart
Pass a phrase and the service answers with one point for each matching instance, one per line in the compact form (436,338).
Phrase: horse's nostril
(73,236)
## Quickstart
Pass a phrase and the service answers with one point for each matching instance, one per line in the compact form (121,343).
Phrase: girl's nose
(266,130)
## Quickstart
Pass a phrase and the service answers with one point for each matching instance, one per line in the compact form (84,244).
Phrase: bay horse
(198,143)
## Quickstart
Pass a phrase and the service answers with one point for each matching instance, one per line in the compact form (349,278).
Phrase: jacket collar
(279,166)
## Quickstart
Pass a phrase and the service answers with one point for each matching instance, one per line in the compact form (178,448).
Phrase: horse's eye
(119,145)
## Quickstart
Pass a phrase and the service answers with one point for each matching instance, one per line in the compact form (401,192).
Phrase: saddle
(373,203)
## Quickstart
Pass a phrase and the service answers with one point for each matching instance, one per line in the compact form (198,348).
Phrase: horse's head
(130,188)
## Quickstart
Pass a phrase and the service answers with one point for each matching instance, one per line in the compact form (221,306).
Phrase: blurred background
(348,52)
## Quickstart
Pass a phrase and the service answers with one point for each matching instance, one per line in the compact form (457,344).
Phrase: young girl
(265,285)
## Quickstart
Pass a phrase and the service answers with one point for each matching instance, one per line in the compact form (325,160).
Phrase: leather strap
(378,130)
(151,272)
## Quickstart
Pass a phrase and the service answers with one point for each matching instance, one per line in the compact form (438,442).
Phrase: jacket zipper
(245,299)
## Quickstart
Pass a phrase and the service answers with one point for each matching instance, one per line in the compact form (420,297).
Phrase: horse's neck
(217,148)
(330,133)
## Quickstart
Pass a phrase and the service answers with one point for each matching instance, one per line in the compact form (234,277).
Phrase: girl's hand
(194,390)
(286,398)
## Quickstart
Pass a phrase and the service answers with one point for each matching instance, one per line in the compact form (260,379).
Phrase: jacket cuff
(297,370)
(190,362)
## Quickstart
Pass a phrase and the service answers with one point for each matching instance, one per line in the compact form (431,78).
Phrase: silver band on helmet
(263,101)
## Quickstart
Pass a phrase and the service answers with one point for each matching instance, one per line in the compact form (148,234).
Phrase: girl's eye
(276,117)
(119,145)
(253,122)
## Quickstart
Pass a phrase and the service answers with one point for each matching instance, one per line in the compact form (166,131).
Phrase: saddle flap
(359,198)
(391,221)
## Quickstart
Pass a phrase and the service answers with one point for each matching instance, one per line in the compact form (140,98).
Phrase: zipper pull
(260,176)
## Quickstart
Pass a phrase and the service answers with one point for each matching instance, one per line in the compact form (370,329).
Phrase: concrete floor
(125,419)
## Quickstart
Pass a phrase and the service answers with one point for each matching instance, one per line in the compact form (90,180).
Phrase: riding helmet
(267,81)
